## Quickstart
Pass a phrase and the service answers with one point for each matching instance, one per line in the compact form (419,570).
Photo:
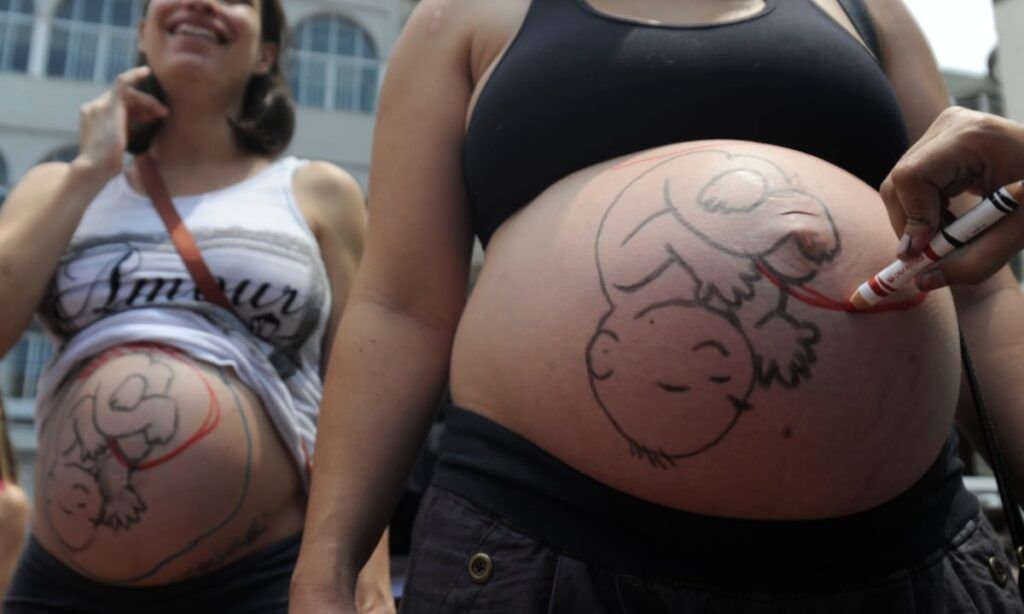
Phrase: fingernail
(904,247)
(931,280)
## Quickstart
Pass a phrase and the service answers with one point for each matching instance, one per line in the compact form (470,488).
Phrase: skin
(687,266)
(196,153)
(988,311)
(962,151)
(14,511)
(410,291)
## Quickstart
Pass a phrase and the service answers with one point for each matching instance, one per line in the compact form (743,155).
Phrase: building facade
(56,55)
(1009,21)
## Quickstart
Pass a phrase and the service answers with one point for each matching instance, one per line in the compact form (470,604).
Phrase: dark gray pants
(466,559)
(257,583)
(508,528)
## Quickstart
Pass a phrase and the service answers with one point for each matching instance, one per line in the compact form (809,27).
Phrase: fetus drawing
(132,416)
(694,257)
(111,434)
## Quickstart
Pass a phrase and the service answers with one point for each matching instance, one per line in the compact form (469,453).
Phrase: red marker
(966,227)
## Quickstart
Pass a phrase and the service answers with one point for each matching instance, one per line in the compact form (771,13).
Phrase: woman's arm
(334,207)
(36,223)
(332,203)
(991,314)
(390,358)
(373,586)
(13,522)
(43,210)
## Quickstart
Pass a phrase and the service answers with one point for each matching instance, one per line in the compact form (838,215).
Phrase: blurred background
(57,54)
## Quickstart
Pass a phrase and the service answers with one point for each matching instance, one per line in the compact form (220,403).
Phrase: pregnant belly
(673,324)
(154,467)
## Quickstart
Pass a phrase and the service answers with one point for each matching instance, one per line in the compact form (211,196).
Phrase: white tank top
(121,280)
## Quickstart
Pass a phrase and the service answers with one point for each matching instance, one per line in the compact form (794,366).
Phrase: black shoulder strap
(861,19)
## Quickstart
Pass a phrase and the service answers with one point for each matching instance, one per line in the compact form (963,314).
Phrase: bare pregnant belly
(672,324)
(154,467)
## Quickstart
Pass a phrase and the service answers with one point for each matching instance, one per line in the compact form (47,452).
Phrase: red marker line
(676,152)
(810,296)
(210,422)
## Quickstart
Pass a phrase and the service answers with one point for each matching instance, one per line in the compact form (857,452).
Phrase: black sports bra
(577,87)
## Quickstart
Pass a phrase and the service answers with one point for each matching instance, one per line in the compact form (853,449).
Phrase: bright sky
(961,32)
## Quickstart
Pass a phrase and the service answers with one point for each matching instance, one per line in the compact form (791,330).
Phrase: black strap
(861,18)
(995,453)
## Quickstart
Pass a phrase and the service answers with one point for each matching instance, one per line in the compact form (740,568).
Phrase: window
(15,34)
(24,363)
(93,40)
(334,65)
(982,99)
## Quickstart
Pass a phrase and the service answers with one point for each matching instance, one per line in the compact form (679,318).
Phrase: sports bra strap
(861,19)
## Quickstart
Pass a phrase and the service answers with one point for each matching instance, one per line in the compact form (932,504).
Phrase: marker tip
(857,302)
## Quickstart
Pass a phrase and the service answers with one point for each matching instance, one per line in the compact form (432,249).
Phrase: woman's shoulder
(326,180)
(466,25)
(328,195)
(442,15)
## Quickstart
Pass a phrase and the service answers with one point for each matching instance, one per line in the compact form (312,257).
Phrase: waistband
(43,581)
(537,494)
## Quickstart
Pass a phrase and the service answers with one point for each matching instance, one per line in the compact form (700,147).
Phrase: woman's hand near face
(44,208)
(104,123)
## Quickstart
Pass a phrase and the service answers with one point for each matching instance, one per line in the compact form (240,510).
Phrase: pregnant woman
(660,402)
(175,435)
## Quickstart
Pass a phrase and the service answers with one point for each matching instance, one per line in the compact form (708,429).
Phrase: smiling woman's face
(192,41)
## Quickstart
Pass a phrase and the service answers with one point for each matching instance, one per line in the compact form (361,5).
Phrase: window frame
(103,36)
(364,64)
(12,23)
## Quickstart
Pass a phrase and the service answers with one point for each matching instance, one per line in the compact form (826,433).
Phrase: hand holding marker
(966,227)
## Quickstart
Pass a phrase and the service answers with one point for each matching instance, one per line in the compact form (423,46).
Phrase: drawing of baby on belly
(111,433)
(696,283)
(115,430)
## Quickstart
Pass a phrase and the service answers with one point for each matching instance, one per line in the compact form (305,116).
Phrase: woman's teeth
(199,31)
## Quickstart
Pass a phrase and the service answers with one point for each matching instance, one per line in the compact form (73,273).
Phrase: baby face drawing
(74,505)
(696,257)
(673,378)
(132,415)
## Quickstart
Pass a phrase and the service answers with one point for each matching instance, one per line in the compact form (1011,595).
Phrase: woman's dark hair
(266,119)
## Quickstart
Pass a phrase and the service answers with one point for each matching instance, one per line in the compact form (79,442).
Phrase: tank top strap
(858,13)
(280,171)
(547,13)
(856,10)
